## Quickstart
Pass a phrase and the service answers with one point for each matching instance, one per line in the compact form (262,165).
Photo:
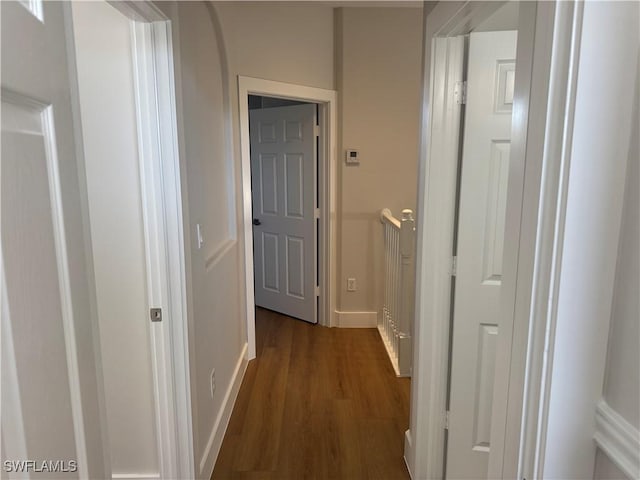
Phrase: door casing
(327,112)
(158,119)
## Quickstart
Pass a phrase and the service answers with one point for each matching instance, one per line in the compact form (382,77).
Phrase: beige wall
(285,43)
(378,71)
(275,41)
(372,56)
(294,44)
(215,286)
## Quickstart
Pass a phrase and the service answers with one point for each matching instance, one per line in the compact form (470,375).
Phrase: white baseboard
(394,363)
(210,454)
(408,447)
(618,439)
(356,319)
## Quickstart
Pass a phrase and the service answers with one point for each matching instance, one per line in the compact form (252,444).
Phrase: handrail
(387,216)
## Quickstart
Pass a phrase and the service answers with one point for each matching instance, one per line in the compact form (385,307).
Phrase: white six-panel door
(283,173)
(49,378)
(485,166)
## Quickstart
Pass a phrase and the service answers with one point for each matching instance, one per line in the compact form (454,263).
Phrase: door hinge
(317,291)
(316,130)
(454,266)
(316,213)
(460,92)
(155,314)
(446,420)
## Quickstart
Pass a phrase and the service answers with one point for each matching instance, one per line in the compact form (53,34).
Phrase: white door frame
(425,441)
(163,231)
(435,223)
(327,155)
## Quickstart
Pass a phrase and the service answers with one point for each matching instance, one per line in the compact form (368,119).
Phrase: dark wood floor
(317,403)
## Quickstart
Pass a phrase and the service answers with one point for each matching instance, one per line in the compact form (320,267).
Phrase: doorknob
(257,222)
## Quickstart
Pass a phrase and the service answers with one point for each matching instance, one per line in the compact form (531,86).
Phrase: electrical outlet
(213,381)
(351,285)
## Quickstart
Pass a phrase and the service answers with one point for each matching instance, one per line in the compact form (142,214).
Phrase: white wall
(378,70)
(600,149)
(105,75)
(622,376)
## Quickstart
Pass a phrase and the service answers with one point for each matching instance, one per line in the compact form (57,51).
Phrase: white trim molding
(164,235)
(540,283)
(618,439)
(328,167)
(408,447)
(210,453)
(579,217)
(356,319)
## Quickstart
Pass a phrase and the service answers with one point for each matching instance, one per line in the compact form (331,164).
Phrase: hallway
(316,403)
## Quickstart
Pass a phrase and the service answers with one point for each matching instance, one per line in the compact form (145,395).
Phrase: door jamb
(327,103)
(159,163)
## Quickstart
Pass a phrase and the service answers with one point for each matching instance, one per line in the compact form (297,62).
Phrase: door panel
(270,273)
(495,213)
(483,193)
(283,169)
(50,391)
(268,185)
(295,267)
(294,201)
(33,225)
(484,391)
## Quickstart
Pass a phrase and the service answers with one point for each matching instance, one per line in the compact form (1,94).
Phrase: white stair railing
(395,322)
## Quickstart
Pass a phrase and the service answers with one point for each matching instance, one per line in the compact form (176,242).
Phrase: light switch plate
(352,157)
(199,236)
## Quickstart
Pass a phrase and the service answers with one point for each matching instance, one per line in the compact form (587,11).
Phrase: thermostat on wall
(352,157)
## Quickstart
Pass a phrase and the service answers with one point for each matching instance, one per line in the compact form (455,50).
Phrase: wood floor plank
(316,403)
(349,458)
(258,450)
(224,465)
(236,422)
(382,442)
